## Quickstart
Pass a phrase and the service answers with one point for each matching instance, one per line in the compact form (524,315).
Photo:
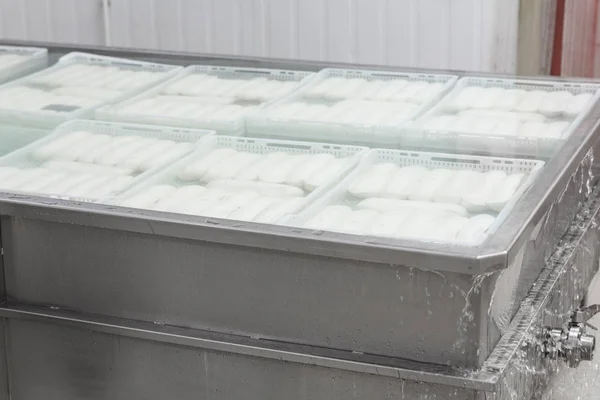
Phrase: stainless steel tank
(104,302)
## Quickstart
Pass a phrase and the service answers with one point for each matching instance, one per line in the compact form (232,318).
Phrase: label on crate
(61,108)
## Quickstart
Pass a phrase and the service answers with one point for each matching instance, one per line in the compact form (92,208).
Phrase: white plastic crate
(201,107)
(341,194)
(499,126)
(26,157)
(13,137)
(352,124)
(16,62)
(71,90)
(170,176)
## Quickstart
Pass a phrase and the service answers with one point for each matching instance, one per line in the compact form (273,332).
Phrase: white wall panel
(66,21)
(312,26)
(457,34)
(454,34)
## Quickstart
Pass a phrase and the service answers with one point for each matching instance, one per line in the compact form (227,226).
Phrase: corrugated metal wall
(69,21)
(457,34)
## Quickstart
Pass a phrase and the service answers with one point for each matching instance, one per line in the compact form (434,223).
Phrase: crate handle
(456,160)
(541,85)
(394,76)
(289,146)
(125,64)
(143,129)
(246,71)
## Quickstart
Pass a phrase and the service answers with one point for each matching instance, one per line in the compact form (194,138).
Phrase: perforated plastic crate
(340,194)
(202,105)
(16,62)
(75,86)
(24,158)
(358,123)
(504,130)
(169,176)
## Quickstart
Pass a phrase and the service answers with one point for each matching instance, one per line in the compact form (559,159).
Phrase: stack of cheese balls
(496,111)
(241,185)
(200,96)
(436,204)
(73,87)
(358,101)
(84,165)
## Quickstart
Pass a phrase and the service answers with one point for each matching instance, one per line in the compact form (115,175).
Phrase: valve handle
(592,327)
(571,343)
(584,314)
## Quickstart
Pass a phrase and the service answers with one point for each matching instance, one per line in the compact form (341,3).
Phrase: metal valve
(572,343)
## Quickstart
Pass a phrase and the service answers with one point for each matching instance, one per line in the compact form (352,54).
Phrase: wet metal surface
(230,311)
(582,383)
(71,355)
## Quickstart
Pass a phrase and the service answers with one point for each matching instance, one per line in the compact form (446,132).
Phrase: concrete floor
(582,383)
